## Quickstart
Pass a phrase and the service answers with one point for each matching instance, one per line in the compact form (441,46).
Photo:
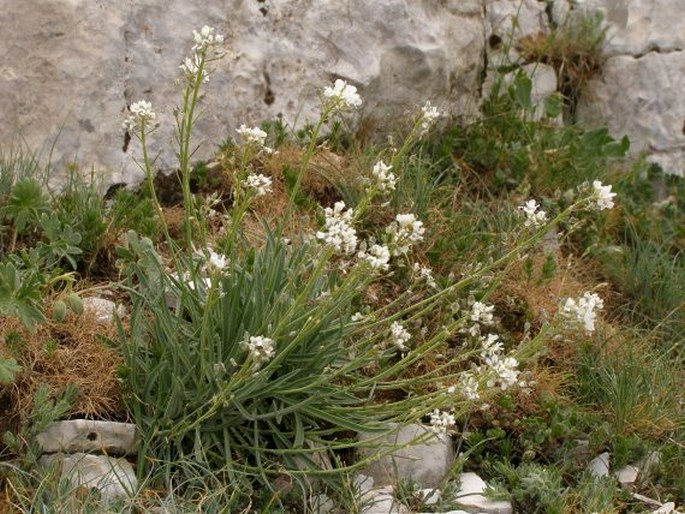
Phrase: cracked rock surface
(71,68)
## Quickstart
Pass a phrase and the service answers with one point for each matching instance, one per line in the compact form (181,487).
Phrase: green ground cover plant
(484,280)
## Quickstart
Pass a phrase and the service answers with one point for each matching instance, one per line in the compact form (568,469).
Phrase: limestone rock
(430,496)
(544,84)
(113,478)
(641,98)
(470,496)
(627,475)
(636,27)
(666,508)
(507,21)
(81,435)
(102,310)
(363,483)
(322,504)
(382,501)
(426,462)
(599,466)
(512,19)
(73,67)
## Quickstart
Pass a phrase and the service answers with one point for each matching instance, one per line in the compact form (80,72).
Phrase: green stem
(151,184)
(191,96)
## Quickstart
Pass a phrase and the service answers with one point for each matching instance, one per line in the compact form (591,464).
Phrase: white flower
(469,386)
(253,135)
(338,230)
(191,67)
(491,346)
(481,313)
(343,94)
(507,372)
(399,336)
(426,274)
(259,183)
(404,232)
(261,348)
(356,317)
(385,180)
(584,310)
(534,217)
(217,261)
(441,421)
(206,38)
(378,256)
(141,114)
(505,368)
(602,196)
(429,115)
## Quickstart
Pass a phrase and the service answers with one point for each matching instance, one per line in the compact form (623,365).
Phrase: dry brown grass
(59,354)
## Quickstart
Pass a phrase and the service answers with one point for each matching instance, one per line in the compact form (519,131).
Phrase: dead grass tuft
(58,354)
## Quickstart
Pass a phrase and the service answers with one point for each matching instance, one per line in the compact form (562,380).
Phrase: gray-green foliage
(198,396)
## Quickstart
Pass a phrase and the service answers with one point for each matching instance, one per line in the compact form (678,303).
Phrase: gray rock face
(426,462)
(642,97)
(70,68)
(113,478)
(636,27)
(82,435)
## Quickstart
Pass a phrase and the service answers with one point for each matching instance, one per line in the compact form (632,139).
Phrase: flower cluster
(583,311)
(404,232)
(251,136)
(194,66)
(602,196)
(506,368)
(217,261)
(342,95)
(384,179)
(378,256)
(338,230)
(191,66)
(260,184)
(399,336)
(261,348)
(482,313)
(534,217)
(141,115)
(469,386)
(425,274)
(441,421)
(429,116)
(206,38)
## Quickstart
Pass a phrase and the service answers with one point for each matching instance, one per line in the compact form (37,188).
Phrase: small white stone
(666,508)
(470,495)
(322,504)
(385,504)
(430,496)
(425,462)
(83,435)
(113,478)
(599,466)
(627,475)
(102,309)
(363,483)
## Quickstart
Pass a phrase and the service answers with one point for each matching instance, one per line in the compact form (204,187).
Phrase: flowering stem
(311,149)
(150,181)
(190,99)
